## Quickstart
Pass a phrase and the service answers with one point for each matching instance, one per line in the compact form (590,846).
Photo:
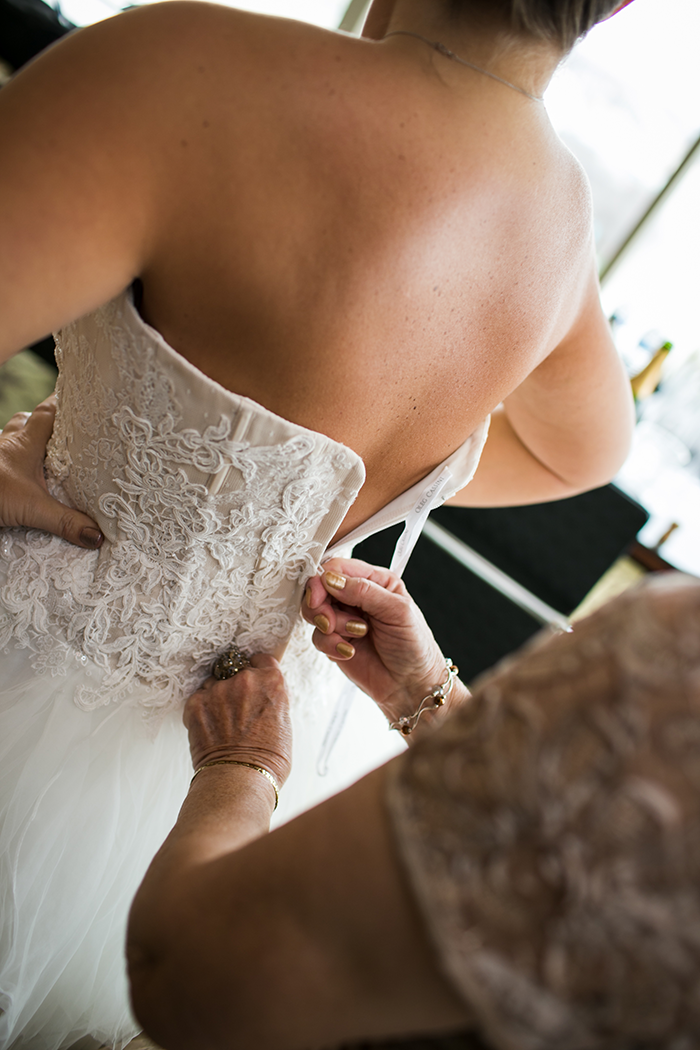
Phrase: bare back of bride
(292,273)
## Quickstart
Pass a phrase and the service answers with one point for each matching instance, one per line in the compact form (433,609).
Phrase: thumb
(71,525)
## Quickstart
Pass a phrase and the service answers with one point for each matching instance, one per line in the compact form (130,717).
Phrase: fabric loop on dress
(432,496)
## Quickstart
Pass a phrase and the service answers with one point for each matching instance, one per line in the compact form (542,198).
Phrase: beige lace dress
(551,832)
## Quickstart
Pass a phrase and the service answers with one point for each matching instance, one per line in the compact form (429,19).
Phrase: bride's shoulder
(159,37)
(185,32)
(165,48)
(182,22)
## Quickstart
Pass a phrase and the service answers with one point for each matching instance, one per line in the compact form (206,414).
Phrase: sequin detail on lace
(186,566)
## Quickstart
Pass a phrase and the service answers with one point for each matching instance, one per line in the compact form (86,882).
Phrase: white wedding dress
(215,511)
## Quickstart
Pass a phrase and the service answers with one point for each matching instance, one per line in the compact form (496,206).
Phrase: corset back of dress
(214,511)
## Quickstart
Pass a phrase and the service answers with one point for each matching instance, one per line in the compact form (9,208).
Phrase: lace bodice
(551,830)
(214,511)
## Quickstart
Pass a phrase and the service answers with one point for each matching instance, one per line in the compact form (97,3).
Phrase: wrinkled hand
(374,629)
(24,498)
(245,718)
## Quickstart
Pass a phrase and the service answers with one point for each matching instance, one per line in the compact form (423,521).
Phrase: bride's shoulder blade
(96,132)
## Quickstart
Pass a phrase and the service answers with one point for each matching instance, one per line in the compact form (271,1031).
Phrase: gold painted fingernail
(343,649)
(322,622)
(335,580)
(308,597)
(356,628)
(91,537)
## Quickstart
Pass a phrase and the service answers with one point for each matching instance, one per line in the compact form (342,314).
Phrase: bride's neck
(477,36)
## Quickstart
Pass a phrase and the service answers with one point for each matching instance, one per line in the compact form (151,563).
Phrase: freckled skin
(331,226)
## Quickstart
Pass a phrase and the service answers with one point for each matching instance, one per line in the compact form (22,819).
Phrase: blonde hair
(562,22)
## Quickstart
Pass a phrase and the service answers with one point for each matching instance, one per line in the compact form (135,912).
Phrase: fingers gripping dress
(215,511)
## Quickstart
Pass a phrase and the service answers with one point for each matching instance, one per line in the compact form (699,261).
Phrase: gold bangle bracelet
(248,765)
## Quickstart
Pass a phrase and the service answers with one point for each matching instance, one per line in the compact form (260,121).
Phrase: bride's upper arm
(575,411)
(76,180)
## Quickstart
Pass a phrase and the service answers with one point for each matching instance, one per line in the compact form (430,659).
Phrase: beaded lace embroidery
(184,569)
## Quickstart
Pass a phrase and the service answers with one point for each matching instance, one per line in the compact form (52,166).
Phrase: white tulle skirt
(86,799)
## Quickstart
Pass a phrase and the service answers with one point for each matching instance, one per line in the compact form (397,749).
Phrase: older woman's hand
(244,718)
(24,498)
(366,620)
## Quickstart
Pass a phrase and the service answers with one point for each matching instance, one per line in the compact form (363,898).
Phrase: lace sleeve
(551,832)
